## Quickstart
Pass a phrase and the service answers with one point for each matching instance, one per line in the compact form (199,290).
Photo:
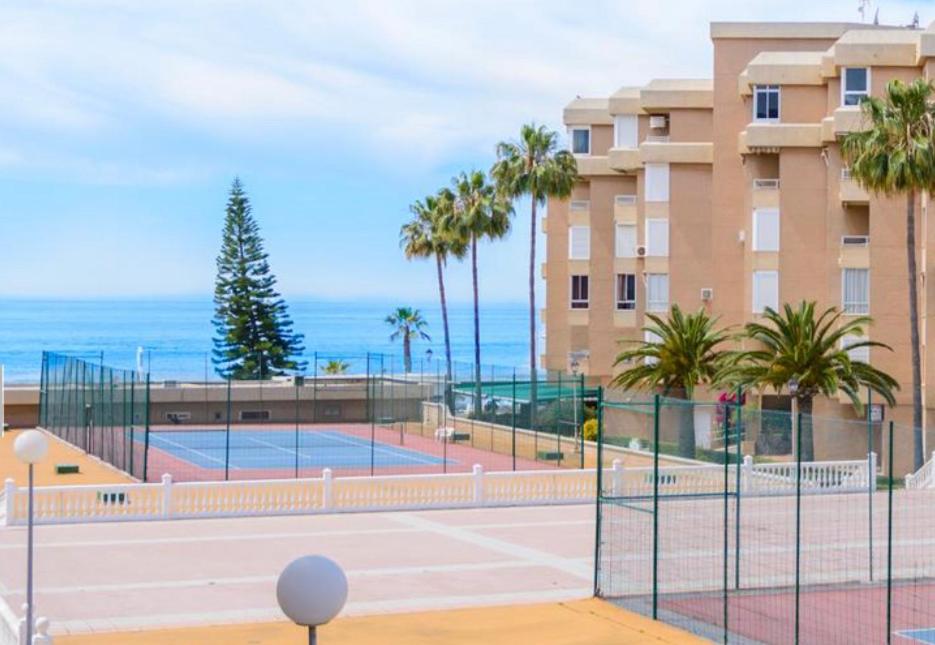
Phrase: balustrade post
(328,486)
(872,475)
(167,495)
(478,485)
(616,478)
(42,636)
(9,491)
(746,474)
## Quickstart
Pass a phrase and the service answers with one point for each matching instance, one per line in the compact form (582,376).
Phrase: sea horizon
(175,332)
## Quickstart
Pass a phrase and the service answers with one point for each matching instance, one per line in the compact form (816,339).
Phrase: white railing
(765,184)
(9,626)
(924,477)
(168,500)
(755,479)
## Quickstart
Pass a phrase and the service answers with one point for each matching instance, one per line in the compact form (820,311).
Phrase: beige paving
(92,471)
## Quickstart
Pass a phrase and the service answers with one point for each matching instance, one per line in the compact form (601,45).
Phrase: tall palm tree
(794,344)
(895,156)
(408,324)
(685,351)
(533,166)
(480,212)
(425,237)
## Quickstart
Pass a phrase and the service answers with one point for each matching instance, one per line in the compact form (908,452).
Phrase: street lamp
(30,448)
(793,390)
(311,591)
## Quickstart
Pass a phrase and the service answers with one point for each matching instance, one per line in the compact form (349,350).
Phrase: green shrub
(589,430)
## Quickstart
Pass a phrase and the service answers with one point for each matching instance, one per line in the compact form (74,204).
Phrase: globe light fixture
(311,590)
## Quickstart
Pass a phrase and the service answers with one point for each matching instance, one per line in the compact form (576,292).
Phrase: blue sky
(122,124)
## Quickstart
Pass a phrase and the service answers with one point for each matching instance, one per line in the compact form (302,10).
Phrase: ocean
(175,334)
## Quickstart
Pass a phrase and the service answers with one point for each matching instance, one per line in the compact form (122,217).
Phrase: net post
(798,519)
(889,540)
(227,433)
(597,520)
(146,430)
(656,409)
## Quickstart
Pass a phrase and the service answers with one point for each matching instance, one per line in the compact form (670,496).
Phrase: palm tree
(534,166)
(335,367)
(896,156)
(425,237)
(795,345)
(479,212)
(686,351)
(408,324)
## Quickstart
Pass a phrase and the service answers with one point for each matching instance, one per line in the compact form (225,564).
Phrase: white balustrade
(924,477)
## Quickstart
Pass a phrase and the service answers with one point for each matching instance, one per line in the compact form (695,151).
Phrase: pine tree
(253,330)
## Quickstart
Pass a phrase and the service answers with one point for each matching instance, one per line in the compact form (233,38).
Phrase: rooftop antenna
(862,6)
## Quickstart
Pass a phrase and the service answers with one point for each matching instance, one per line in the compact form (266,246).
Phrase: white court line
(291,453)
(247,580)
(241,537)
(363,444)
(533,556)
(192,450)
(361,608)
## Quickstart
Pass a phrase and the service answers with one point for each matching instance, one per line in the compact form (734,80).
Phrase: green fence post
(132,422)
(579,408)
(600,492)
(871,481)
(146,430)
(558,423)
(889,541)
(295,382)
(227,433)
(798,517)
(656,409)
(513,419)
(315,389)
(738,493)
(726,565)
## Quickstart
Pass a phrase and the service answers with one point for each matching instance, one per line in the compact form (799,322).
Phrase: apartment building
(730,194)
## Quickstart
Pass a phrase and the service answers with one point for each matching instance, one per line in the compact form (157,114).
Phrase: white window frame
(767,89)
(656,305)
(632,128)
(660,194)
(758,244)
(618,243)
(651,251)
(620,304)
(571,140)
(854,308)
(581,230)
(762,301)
(845,92)
(571,292)
(861,353)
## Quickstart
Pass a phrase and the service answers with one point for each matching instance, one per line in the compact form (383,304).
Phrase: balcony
(848,118)
(624,159)
(771,137)
(849,191)
(594,166)
(659,149)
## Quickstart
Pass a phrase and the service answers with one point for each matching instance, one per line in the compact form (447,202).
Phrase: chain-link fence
(747,544)
(355,414)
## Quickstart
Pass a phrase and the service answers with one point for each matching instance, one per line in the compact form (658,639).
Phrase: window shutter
(579,242)
(657,292)
(657,237)
(765,291)
(766,230)
(861,353)
(855,291)
(625,131)
(625,242)
(656,179)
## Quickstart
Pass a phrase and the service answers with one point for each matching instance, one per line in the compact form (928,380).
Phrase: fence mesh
(355,414)
(748,543)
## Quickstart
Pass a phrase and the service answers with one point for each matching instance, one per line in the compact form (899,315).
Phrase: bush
(589,430)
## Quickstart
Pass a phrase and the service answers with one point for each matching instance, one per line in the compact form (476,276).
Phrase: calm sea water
(176,333)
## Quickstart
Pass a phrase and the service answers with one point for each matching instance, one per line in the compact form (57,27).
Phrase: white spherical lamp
(31,447)
(311,591)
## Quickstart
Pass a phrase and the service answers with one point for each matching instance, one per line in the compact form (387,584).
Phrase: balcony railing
(765,184)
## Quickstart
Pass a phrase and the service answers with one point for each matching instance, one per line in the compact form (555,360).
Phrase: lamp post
(311,590)
(30,448)
(794,390)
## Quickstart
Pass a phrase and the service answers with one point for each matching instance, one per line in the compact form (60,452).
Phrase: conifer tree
(253,330)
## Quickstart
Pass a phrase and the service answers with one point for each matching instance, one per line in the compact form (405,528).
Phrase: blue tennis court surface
(281,449)
(919,635)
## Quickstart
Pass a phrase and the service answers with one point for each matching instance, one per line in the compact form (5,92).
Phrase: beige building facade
(730,194)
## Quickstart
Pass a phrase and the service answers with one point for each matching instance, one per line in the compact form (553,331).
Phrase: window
(579,242)
(579,292)
(859,353)
(625,131)
(766,230)
(650,337)
(581,141)
(657,292)
(626,291)
(855,85)
(855,291)
(766,103)
(657,237)
(765,291)
(625,241)
(656,178)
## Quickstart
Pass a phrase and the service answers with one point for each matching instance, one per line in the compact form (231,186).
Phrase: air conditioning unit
(707,294)
(641,251)
(657,121)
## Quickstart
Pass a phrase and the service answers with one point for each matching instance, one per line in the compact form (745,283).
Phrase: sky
(123,123)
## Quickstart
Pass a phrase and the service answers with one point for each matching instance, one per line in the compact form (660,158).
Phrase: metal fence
(354,414)
(746,549)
